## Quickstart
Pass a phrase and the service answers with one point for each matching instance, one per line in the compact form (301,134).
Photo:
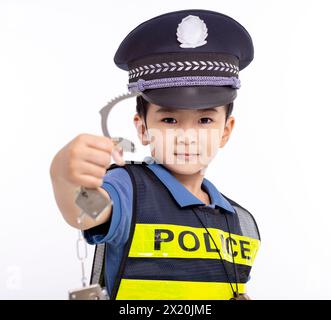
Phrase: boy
(169,233)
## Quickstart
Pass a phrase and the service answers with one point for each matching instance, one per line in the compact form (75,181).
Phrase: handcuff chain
(81,251)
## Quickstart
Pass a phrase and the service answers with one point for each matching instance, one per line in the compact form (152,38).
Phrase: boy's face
(184,140)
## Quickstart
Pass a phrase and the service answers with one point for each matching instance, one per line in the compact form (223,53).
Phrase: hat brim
(191,97)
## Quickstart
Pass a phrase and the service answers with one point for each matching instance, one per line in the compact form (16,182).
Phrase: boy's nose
(188,136)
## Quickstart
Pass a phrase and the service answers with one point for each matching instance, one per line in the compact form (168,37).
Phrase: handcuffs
(92,203)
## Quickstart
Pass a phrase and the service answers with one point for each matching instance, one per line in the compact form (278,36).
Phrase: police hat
(186,59)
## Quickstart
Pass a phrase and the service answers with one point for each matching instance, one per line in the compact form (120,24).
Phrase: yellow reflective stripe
(175,290)
(173,241)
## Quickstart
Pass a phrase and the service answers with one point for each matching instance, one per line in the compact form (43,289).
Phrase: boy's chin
(185,168)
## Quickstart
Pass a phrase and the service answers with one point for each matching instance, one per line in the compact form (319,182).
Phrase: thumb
(117,155)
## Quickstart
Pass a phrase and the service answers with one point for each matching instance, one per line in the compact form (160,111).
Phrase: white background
(57,71)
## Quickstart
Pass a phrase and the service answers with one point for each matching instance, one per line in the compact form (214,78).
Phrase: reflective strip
(174,241)
(210,270)
(175,290)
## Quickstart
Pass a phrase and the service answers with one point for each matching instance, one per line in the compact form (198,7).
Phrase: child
(169,233)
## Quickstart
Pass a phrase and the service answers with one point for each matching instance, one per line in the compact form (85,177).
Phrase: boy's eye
(169,120)
(173,120)
(206,120)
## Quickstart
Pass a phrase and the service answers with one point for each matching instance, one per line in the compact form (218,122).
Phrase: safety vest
(170,255)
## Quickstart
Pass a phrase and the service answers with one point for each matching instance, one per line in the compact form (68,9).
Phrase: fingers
(103,159)
(85,174)
(90,181)
(99,150)
(97,157)
(97,142)
(92,170)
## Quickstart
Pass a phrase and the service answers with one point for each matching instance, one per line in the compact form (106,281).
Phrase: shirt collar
(183,196)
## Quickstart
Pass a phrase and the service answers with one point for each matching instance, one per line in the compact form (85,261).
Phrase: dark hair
(141,108)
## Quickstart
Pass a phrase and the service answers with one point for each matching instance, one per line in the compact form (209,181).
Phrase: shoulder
(117,182)
(116,172)
(123,174)
(119,178)
(246,219)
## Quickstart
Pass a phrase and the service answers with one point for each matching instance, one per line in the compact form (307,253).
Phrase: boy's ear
(229,125)
(141,130)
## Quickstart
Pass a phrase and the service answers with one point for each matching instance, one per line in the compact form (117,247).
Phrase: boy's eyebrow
(166,110)
(171,110)
(208,109)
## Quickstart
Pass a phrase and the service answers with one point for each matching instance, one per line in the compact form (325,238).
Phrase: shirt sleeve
(117,183)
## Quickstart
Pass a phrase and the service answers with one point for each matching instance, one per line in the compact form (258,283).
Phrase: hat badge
(192,32)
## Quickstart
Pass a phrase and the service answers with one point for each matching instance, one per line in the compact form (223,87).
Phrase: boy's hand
(84,160)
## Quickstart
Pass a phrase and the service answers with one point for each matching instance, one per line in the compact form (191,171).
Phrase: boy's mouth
(186,156)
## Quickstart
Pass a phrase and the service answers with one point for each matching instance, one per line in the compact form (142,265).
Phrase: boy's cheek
(206,158)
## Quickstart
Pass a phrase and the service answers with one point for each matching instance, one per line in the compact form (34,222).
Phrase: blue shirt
(115,233)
